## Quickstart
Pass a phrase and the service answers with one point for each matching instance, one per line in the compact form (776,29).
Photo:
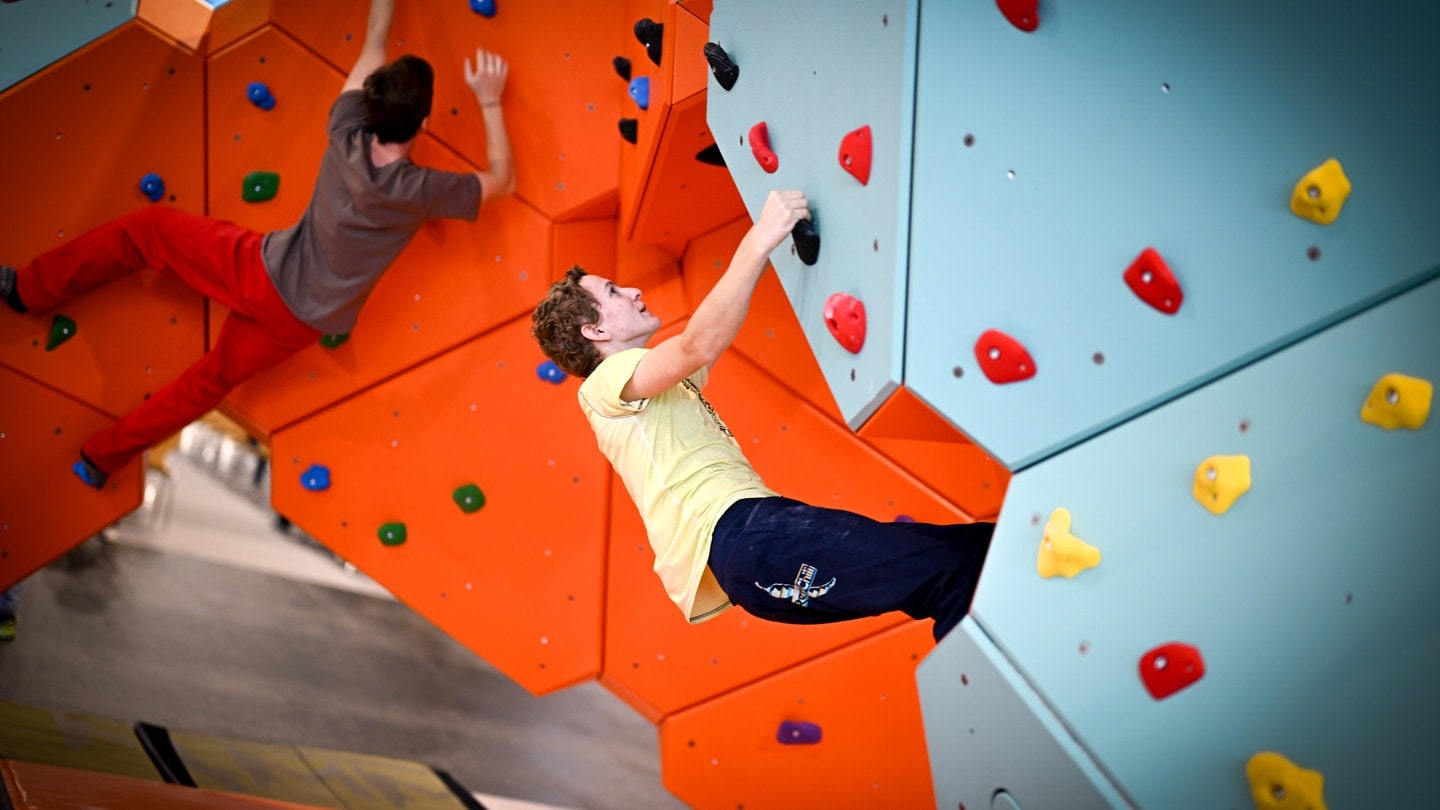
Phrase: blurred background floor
(199,614)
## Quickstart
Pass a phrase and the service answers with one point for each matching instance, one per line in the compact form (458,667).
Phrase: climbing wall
(1145,279)
(433,447)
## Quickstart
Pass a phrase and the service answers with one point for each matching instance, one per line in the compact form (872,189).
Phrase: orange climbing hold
(760,146)
(855,151)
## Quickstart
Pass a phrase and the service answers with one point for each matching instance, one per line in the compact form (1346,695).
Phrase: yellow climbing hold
(1062,553)
(1320,194)
(1398,401)
(1276,783)
(1220,481)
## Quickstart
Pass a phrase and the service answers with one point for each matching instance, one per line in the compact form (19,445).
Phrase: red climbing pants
(219,260)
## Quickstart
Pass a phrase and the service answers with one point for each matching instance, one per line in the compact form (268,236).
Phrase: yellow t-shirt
(682,468)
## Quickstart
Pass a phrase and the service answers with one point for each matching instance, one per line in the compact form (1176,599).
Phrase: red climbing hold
(845,317)
(1023,14)
(1003,358)
(1150,278)
(1169,668)
(760,145)
(855,154)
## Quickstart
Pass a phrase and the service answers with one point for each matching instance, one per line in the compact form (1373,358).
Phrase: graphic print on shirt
(802,590)
(703,401)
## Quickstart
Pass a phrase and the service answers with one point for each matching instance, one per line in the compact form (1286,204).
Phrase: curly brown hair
(556,323)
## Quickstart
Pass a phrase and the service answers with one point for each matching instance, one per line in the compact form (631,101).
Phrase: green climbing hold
(260,186)
(331,341)
(61,330)
(469,498)
(392,534)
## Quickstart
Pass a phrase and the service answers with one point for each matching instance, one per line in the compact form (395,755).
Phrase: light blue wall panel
(814,70)
(1182,126)
(36,33)
(988,732)
(1313,600)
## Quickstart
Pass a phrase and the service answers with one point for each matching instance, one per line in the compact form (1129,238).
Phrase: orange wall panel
(288,140)
(236,19)
(520,581)
(725,753)
(771,336)
(44,509)
(906,430)
(682,197)
(690,71)
(185,22)
(82,134)
(589,243)
(637,159)
(455,280)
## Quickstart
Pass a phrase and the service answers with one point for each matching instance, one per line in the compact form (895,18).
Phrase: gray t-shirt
(359,219)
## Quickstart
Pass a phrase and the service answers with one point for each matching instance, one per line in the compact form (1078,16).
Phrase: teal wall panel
(1312,600)
(1182,126)
(814,71)
(36,33)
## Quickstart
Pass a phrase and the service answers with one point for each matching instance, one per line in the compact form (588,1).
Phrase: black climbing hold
(711,155)
(332,340)
(650,34)
(724,68)
(807,241)
(628,129)
(622,66)
(61,329)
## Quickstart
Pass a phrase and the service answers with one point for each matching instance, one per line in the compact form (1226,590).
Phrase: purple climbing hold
(798,732)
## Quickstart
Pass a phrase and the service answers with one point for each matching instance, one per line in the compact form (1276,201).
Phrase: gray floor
(192,641)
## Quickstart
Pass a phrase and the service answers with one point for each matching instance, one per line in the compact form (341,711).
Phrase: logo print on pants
(803,589)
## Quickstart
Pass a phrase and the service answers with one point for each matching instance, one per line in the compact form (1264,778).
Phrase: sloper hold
(650,34)
(1169,668)
(1062,553)
(1398,401)
(759,139)
(1276,783)
(630,129)
(640,91)
(807,241)
(316,478)
(845,318)
(469,498)
(551,373)
(1220,481)
(152,186)
(724,68)
(1023,14)
(260,186)
(260,95)
(1003,358)
(1321,193)
(798,732)
(855,154)
(62,328)
(1150,279)
(392,534)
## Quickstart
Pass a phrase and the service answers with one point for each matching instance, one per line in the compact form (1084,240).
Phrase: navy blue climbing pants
(787,561)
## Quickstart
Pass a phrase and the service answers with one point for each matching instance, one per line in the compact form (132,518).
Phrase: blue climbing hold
(153,186)
(316,479)
(640,91)
(798,732)
(549,372)
(485,8)
(260,96)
